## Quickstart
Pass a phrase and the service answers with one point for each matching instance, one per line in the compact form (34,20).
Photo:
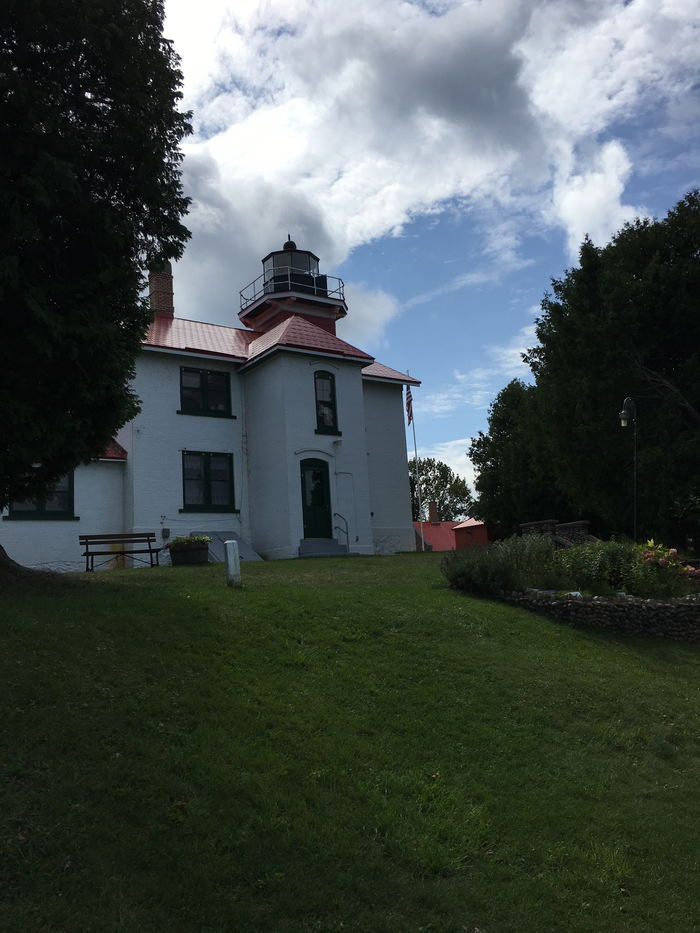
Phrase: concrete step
(321,547)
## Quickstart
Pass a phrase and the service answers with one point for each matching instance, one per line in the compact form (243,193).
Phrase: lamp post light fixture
(629,414)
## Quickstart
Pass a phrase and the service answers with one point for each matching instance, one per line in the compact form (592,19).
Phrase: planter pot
(190,554)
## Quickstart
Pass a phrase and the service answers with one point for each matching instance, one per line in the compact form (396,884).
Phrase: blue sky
(445,159)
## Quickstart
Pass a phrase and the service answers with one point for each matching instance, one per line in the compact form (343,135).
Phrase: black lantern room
(291,284)
(292,269)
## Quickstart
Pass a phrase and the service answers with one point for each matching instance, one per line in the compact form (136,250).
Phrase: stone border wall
(672,619)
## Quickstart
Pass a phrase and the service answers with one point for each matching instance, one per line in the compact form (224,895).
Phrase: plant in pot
(192,549)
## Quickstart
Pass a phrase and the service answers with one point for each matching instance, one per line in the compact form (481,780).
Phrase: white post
(233,564)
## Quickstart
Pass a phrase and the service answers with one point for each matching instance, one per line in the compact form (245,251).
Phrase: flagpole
(409,412)
(420,503)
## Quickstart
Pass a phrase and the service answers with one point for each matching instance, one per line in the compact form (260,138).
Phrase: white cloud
(476,394)
(457,282)
(372,309)
(454,454)
(499,256)
(338,122)
(587,64)
(477,387)
(506,361)
(590,203)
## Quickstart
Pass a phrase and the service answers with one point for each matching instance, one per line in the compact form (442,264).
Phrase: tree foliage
(439,484)
(624,322)
(514,483)
(91,198)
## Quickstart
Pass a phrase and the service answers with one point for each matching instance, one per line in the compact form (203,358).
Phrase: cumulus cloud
(454,454)
(339,123)
(589,203)
(372,309)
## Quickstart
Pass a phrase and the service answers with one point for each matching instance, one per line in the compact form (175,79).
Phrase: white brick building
(280,434)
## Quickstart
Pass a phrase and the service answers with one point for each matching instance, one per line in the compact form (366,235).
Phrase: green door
(316,499)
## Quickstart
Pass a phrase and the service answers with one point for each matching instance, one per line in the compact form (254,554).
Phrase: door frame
(316,522)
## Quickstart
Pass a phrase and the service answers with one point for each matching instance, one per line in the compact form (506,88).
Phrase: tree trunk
(9,567)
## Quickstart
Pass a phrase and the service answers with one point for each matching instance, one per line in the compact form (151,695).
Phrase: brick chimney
(160,288)
(433,512)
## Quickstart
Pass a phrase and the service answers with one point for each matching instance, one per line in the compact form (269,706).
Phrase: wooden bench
(122,545)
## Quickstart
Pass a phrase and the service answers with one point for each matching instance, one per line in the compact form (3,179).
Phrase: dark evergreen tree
(91,197)
(514,483)
(440,484)
(626,322)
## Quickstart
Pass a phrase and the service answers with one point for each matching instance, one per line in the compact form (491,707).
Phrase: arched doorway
(316,499)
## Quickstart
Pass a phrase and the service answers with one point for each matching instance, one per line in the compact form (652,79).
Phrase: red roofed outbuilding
(450,535)
(438,536)
(471,533)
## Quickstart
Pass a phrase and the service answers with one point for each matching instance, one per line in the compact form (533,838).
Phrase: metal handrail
(345,530)
(289,279)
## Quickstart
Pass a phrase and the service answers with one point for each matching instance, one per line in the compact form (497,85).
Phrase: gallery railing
(287,279)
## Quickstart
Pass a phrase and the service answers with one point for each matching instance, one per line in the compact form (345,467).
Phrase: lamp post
(627,414)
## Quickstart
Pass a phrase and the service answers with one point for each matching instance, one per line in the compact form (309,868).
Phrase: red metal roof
(380,371)
(174,333)
(301,334)
(469,523)
(439,535)
(113,451)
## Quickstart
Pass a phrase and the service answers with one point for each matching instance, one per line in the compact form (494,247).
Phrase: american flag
(409,404)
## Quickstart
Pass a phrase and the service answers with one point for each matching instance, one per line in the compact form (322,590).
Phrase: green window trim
(205,392)
(40,517)
(326,406)
(207,482)
(206,414)
(211,508)
(58,506)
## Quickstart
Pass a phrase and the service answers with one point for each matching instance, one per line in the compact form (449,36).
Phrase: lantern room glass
(287,260)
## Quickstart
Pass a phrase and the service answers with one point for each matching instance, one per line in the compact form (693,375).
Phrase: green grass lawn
(343,745)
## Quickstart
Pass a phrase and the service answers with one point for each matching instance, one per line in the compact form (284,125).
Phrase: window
(326,414)
(205,392)
(207,481)
(58,504)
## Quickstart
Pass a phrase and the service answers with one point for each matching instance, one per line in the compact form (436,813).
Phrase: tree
(627,322)
(91,199)
(624,322)
(514,483)
(439,484)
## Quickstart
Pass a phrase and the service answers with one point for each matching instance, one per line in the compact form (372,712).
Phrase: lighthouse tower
(291,284)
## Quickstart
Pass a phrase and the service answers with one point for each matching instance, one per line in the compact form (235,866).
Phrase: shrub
(518,563)
(658,572)
(599,567)
(526,561)
(472,570)
(511,565)
(178,544)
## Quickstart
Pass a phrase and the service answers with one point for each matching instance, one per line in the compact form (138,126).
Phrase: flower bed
(518,564)
(664,591)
